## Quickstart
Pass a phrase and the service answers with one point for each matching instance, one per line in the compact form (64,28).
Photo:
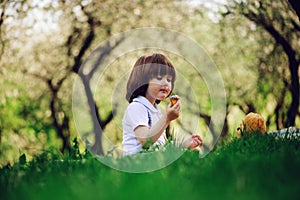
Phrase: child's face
(159,87)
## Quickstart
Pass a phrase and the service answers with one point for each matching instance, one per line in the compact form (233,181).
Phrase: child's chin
(160,98)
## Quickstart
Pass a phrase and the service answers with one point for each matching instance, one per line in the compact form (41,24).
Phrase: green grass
(258,167)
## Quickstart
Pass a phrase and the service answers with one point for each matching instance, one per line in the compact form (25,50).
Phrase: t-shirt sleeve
(137,115)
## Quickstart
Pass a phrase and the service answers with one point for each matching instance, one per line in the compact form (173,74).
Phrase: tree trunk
(61,129)
(296,7)
(97,147)
(293,109)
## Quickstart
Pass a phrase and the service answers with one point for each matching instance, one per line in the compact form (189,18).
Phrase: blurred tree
(295,6)
(22,123)
(51,39)
(2,18)
(279,20)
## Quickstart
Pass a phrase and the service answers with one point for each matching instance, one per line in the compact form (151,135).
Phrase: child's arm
(144,133)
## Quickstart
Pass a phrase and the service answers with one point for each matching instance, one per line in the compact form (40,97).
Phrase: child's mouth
(164,90)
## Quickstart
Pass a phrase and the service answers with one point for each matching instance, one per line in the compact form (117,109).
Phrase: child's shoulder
(136,109)
(136,105)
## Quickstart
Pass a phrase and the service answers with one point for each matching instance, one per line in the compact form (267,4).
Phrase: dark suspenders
(149,118)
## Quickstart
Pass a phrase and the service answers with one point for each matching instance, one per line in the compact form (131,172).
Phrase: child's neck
(150,99)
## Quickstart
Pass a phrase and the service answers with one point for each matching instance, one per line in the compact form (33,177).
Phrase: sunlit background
(44,42)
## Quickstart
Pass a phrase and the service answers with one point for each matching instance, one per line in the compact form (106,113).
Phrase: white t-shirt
(140,112)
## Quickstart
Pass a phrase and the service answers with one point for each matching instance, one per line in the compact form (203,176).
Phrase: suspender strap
(149,118)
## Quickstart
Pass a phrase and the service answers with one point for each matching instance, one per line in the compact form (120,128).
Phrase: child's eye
(159,77)
(169,79)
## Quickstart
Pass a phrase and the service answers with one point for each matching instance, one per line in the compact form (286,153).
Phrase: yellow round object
(252,122)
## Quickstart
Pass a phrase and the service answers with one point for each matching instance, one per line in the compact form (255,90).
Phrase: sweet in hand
(174,98)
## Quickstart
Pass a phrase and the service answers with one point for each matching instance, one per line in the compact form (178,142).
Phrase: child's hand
(173,111)
(193,142)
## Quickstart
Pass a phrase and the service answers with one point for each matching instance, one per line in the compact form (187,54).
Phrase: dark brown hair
(146,68)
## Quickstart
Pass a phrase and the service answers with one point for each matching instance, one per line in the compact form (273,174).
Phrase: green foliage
(23,124)
(255,167)
(22,159)
(253,67)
